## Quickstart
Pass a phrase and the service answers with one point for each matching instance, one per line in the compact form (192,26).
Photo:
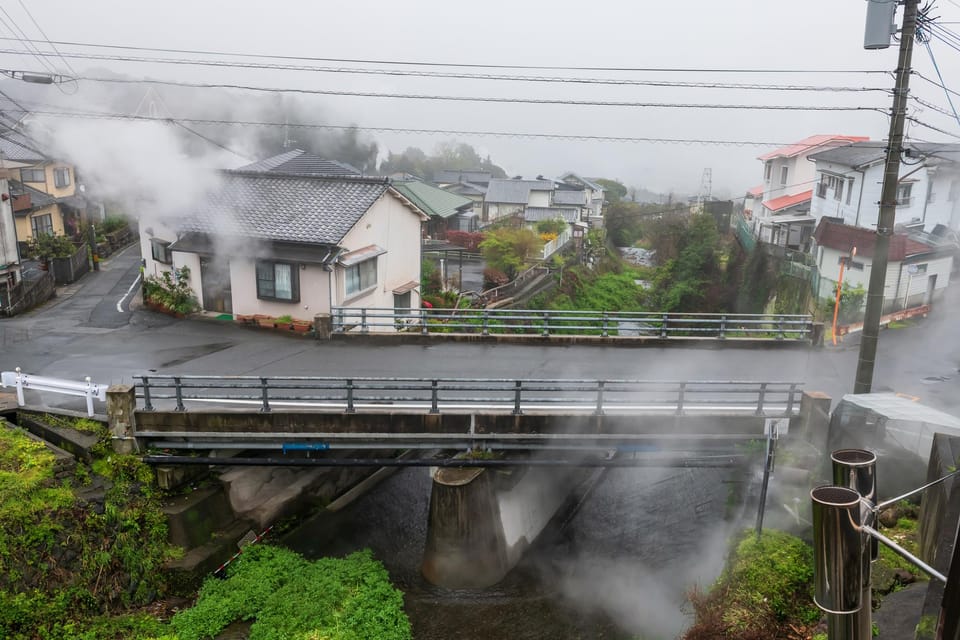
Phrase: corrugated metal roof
(432,200)
(536,214)
(449,176)
(515,191)
(854,155)
(785,202)
(284,207)
(844,237)
(809,144)
(300,162)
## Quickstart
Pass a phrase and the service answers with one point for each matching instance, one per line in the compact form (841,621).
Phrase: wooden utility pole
(888,204)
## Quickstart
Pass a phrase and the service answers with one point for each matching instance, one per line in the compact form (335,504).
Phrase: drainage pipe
(837,551)
(705,461)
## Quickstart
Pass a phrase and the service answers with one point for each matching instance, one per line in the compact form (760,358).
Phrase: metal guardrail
(546,323)
(471,395)
(27,382)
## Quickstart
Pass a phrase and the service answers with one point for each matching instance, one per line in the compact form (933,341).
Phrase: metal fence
(547,323)
(27,382)
(470,395)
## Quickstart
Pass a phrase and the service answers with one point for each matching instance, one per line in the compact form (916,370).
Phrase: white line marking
(129,291)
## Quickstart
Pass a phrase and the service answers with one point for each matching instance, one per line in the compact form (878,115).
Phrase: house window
(160,251)
(361,276)
(42,225)
(904,192)
(61,177)
(32,175)
(767,170)
(278,281)
(838,191)
(783,175)
(849,189)
(931,194)
(822,186)
(918,268)
(954,190)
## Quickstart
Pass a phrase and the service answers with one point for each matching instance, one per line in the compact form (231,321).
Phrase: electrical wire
(467,76)
(47,38)
(420,63)
(211,140)
(26,41)
(489,99)
(50,111)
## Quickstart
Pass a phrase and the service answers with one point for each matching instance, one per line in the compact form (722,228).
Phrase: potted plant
(301,326)
(264,321)
(46,247)
(283,322)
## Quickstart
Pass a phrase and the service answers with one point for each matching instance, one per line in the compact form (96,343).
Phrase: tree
(508,249)
(447,155)
(615,191)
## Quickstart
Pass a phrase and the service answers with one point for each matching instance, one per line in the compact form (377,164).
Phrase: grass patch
(765,591)
(290,597)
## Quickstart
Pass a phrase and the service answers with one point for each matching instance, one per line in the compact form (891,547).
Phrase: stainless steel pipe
(837,550)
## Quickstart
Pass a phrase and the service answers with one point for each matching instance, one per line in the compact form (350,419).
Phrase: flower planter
(242,319)
(283,326)
(265,321)
(301,326)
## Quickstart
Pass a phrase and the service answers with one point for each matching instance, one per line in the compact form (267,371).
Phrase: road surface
(90,329)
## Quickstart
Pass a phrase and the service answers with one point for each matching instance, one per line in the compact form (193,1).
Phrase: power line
(100,115)
(465,76)
(933,128)
(210,140)
(43,33)
(25,40)
(420,63)
(491,99)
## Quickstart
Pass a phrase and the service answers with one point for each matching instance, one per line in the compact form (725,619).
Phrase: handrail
(778,327)
(461,395)
(28,382)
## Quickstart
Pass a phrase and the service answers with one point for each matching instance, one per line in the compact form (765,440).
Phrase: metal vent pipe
(857,469)
(837,550)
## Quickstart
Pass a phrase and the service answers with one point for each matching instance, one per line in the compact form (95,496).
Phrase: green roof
(432,200)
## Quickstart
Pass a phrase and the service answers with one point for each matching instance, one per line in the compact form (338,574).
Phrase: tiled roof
(300,162)
(865,153)
(536,214)
(449,176)
(15,146)
(756,191)
(844,237)
(432,200)
(785,202)
(515,191)
(811,143)
(285,207)
(585,181)
(466,187)
(570,196)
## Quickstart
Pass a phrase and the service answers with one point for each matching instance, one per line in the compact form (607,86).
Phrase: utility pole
(888,204)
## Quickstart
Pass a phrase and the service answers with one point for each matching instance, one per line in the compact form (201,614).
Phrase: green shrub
(171,290)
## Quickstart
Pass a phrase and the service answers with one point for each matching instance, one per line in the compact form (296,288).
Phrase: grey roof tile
(300,162)
(515,191)
(285,207)
(445,176)
(536,214)
(570,196)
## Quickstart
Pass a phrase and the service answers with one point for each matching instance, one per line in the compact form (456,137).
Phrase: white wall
(496,210)
(8,230)
(150,229)
(539,198)
(314,292)
(800,172)
(390,225)
(192,261)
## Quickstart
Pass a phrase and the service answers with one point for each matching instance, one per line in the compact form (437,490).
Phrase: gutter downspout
(863,179)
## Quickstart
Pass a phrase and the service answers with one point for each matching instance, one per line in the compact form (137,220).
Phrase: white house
(594,193)
(279,245)
(918,266)
(509,197)
(9,255)
(849,181)
(783,217)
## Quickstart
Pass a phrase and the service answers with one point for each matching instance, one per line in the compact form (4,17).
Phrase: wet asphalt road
(82,333)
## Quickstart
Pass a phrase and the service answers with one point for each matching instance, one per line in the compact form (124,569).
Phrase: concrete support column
(323,326)
(465,544)
(122,417)
(814,418)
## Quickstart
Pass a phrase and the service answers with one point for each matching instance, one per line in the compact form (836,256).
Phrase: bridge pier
(122,417)
(481,521)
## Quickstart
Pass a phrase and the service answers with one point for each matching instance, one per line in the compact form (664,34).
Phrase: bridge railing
(547,323)
(469,395)
(29,382)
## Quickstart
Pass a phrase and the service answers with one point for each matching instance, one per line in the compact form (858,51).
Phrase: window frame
(850,183)
(57,173)
(294,280)
(166,256)
(34,226)
(784,173)
(33,171)
(904,194)
(361,289)
(767,170)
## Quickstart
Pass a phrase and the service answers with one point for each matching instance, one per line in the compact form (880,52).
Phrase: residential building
(472,190)
(849,181)
(783,217)
(44,191)
(918,268)
(281,244)
(448,177)
(752,202)
(447,211)
(594,193)
(10,269)
(511,197)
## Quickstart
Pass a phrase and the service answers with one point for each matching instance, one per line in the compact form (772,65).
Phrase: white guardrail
(27,382)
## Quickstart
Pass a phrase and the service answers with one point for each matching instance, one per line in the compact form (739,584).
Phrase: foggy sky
(694,33)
